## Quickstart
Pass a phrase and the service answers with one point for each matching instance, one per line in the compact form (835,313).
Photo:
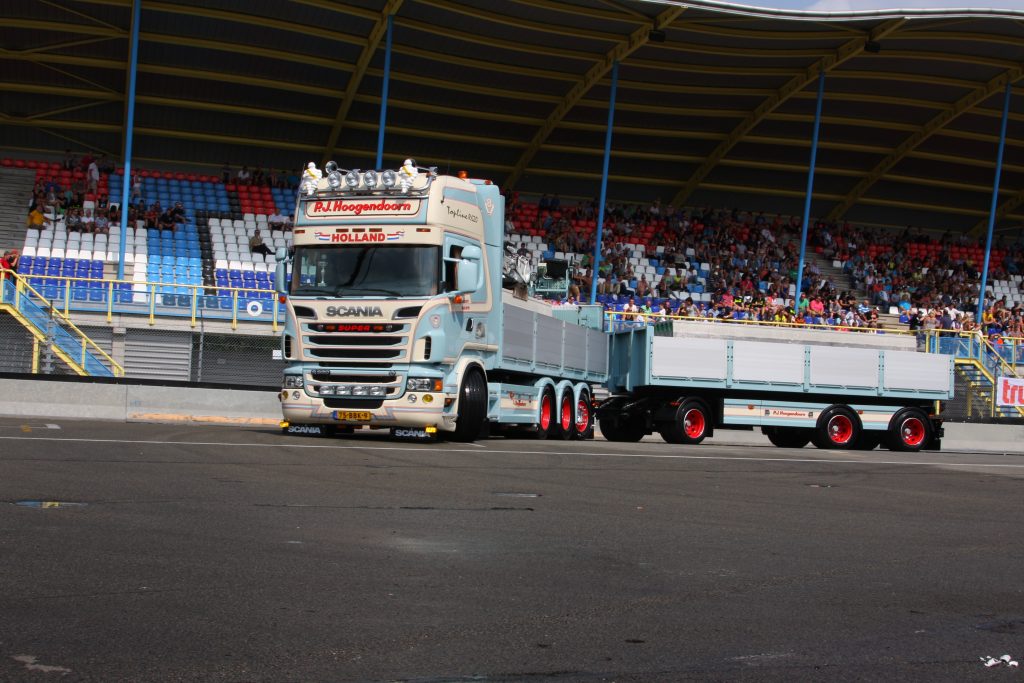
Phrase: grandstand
(714,109)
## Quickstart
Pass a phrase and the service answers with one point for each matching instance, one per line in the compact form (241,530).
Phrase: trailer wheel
(546,418)
(910,430)
(838,427)
(868,441)
(690,425)
(622,429)
(472,408)
(565,426)
(788,437)
(583,427)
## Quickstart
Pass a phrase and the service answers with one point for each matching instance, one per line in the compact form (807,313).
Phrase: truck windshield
(397,270)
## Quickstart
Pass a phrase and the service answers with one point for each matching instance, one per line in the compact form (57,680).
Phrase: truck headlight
(293,381)
(423,384)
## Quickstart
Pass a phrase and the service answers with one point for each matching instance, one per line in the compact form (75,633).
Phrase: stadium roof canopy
(715,101)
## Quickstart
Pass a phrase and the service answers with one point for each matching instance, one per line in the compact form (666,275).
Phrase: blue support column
(384,92)
(129,130)
(604,181)
(995,202)
(810,188)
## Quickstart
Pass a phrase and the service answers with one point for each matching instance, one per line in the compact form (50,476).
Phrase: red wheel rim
(545,412)
(693,423)
(912,431)
(566,412)
(840,429)
(582,416)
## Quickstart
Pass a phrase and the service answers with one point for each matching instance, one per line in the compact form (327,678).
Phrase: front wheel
(787,437)
(838,427)
(690,425)
(909,431)
(472,408)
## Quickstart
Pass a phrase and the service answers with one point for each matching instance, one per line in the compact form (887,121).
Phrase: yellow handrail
(21,285)
(234,292)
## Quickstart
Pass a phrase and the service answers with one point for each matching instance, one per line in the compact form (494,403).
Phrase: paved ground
(219,554)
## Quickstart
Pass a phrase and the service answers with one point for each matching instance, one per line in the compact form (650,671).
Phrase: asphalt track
(225,554)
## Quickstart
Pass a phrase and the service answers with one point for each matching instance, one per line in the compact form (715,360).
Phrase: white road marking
(30,663)
(659,456)
(52,426)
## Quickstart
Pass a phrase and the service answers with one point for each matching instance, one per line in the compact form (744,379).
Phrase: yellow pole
(275,305)
(35,356)
(234,309)
(84,350)
(152,304)
(67,297)
(110,301)
(194,301)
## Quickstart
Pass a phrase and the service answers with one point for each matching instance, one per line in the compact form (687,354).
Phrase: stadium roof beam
(1004,210)
(964,104)
(637,39)
(377,33)
(844,53)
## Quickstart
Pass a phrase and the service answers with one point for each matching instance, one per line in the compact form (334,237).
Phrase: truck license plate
(353,415)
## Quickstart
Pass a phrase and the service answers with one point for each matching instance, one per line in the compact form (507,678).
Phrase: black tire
(868,441)
(690,424)
(622,430)
(838,427)
(547,414)
(472,407)
(910,430)
(583,423)
(788,437)
(565,425)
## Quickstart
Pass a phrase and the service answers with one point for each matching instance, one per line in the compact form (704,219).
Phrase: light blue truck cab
(397,319)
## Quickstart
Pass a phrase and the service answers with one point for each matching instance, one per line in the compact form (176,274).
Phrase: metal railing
(51,326)
(155,299)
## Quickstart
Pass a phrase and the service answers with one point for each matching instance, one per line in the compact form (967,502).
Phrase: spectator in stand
(36,219)
(101,223)
(225,173)
(257,246)
(73,222)
(166,220)
(93,177)
(178,213)
(69,160)
(244,176)
(152,216)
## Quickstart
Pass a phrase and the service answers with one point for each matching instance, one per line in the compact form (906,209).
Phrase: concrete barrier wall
(140,403)
(136,403)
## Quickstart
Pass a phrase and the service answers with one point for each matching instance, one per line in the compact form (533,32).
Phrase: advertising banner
(1010,391)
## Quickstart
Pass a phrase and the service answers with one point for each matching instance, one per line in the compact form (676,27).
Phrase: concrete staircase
(15,193)
(840,280)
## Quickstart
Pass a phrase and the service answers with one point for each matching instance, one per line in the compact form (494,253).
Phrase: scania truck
(404,312)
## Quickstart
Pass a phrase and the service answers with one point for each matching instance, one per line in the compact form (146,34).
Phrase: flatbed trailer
(834,396)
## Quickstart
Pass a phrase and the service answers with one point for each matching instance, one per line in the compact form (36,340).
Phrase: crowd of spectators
(752,262)
(79,202)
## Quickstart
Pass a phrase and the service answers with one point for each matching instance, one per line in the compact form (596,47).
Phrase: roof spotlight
(370,179)
(388,178)
(334,179)
(352,179)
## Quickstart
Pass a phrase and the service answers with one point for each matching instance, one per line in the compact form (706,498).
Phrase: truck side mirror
(470,273)
(280,273)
